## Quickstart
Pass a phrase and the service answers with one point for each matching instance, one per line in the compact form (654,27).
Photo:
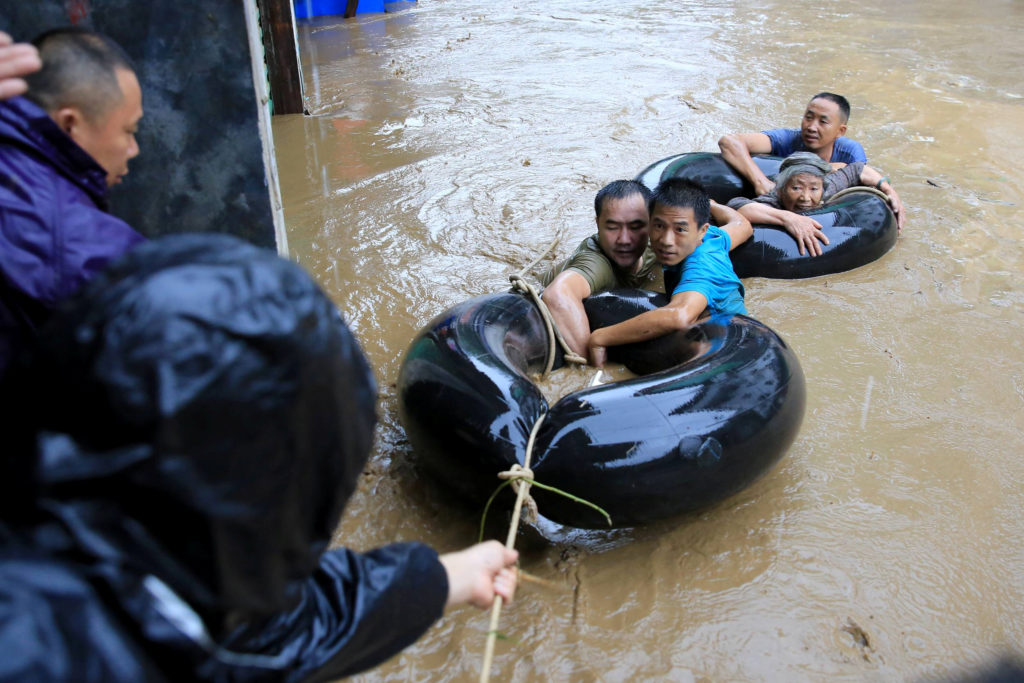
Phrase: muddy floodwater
(449,144)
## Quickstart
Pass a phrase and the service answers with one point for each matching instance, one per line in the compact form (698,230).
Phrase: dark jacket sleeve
(846,177)
(771,199)
(357,610)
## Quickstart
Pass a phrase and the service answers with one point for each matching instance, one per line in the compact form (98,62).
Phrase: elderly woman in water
(804,182)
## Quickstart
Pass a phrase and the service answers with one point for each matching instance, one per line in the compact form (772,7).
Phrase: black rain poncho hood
(191,426)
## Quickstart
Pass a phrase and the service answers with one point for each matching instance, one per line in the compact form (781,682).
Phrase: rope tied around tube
(520,477)
(857,189)
(554,336)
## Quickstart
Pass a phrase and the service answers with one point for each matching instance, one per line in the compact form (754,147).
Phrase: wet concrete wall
(201,165)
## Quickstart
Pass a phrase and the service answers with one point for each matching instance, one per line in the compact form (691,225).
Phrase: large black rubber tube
(724,408)
(860,227)
(720,180)
(464,397)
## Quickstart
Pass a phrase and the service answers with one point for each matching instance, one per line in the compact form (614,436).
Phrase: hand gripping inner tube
(722,404)
(860,226)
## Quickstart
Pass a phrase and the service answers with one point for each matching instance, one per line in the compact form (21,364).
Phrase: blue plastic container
(321,8)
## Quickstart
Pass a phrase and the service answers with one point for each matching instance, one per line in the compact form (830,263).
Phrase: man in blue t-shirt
(821,132)
(699,277)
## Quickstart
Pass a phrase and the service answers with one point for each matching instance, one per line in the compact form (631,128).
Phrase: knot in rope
(520,477)
(519,283)
(523,477)
(517,473)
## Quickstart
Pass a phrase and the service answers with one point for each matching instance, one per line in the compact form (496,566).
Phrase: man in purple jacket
(62,146)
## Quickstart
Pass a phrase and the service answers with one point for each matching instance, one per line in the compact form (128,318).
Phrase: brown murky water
(450,144)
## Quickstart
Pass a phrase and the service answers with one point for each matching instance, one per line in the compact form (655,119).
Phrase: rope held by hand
(523,490)
(520,477)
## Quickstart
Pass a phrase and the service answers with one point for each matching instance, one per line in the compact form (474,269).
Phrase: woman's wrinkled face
(802,192)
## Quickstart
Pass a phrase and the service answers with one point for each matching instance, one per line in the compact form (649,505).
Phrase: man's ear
(704,229)
(842,130)
(68,119)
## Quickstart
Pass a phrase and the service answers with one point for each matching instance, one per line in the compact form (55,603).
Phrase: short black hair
(79,70)
(682,193)
(620,189)
(844,104)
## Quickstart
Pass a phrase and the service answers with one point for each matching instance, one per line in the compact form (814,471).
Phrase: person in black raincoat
(178,453)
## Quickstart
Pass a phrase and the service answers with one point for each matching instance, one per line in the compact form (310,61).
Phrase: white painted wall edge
(259,80)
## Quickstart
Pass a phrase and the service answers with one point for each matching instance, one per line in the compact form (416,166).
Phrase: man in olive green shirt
(617,256)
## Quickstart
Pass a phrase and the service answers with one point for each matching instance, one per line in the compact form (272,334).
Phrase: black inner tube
(680,438)
(860,226)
